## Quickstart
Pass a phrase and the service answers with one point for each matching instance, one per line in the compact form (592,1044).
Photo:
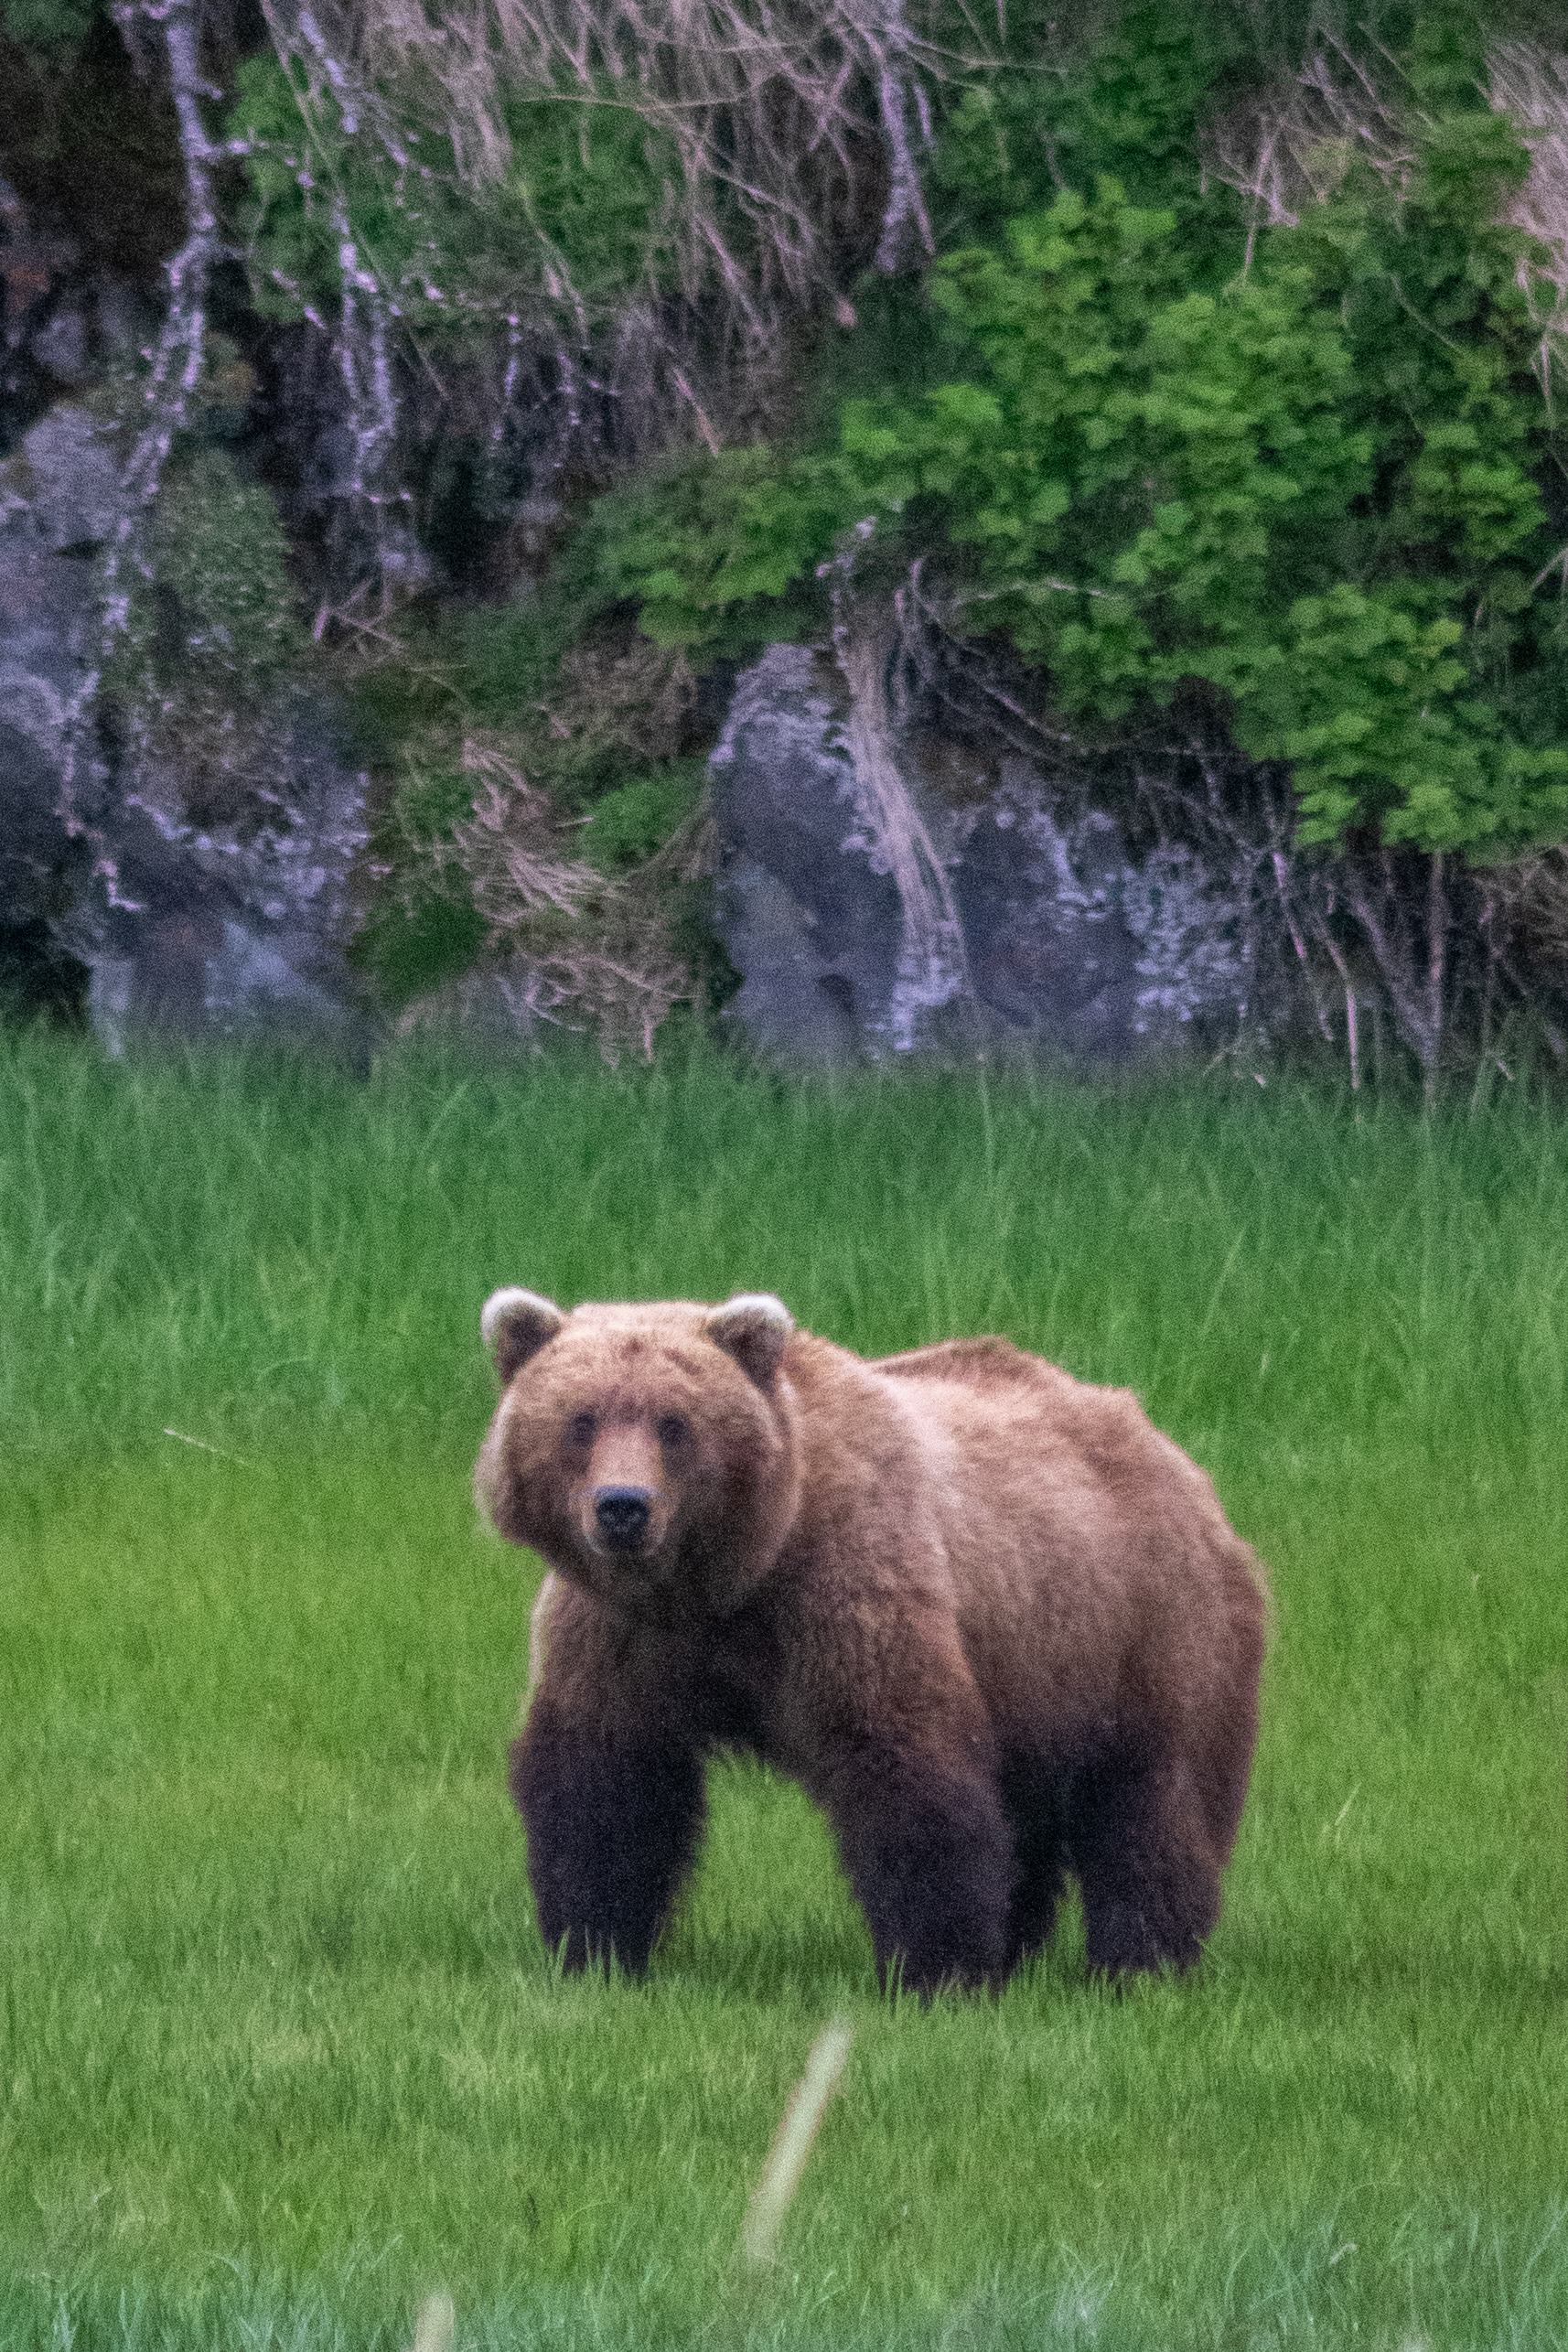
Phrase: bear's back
(990,1395)
(981,1363)
(1084,1544)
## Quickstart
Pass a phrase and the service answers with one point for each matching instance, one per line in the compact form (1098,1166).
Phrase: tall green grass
(266,1249)
(278,2044)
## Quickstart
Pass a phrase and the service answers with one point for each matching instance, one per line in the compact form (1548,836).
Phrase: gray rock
(61,346)
(1194,947)
(57,502)
(236,933)
(791,1003)
(232,931)
(1071,951)
(62,489)
(1097,957)
(1040,894)
(126,319)
(34,847)
(803,911)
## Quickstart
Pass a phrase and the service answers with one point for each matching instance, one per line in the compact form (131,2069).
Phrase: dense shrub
(1314,490)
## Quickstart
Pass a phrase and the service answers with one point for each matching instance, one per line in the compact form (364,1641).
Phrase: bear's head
(648,1452)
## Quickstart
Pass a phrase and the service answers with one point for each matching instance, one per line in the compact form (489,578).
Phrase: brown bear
(995,1624)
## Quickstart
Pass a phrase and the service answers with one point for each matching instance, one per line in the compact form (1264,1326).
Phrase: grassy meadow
(280,2050)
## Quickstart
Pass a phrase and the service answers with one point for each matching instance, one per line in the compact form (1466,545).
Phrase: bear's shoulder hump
(979,1363)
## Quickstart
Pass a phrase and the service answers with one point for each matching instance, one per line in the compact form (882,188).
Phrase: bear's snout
(622,1516)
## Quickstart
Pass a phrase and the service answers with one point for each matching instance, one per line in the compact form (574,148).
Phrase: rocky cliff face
(881,891)
(57,507)
(1049,940)
(871,909)
(227,430)
(185,855)
(109,888)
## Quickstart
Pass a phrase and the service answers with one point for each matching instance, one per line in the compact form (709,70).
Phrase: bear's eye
(580,1429)
(674,1430)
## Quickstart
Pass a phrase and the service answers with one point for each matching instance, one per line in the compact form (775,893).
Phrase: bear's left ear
(514,1325)
(753,1329)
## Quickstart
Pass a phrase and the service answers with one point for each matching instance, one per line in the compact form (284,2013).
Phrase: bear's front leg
(900,1757)
(929,1855)
(612,1829)
(613,1813)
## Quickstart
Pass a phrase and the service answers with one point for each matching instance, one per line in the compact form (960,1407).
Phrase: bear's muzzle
(622,1516)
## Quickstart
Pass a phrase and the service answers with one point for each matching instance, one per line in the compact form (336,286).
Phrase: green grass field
(279,2047)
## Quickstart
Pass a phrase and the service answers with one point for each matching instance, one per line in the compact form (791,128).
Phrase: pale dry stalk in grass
(637,698)
(793,2141)
(507,848)
(435,2327)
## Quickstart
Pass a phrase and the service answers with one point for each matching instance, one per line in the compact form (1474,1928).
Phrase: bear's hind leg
(1144,1857)
(1029,1798)
(612,1831)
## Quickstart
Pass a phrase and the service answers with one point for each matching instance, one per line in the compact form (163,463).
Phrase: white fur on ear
(515,1324)
(753,1328)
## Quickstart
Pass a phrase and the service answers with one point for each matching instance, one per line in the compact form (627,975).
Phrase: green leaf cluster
(47,28)
(632,821)
(715,552)
(1316,490)
(214,620)
(579,214)
(1132,109)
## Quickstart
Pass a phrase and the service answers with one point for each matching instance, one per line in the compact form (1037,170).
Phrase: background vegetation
(1197,373)
(279,2049)
(1193,378)
(1181,449)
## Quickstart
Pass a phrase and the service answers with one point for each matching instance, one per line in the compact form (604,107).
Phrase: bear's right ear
(753,1328)
(514,1325)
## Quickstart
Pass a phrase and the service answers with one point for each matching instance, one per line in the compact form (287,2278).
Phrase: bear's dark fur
(994,1622)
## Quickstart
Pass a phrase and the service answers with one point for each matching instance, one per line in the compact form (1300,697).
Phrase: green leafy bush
(1133,110)
(1310,492)
(715,551)
(630,824)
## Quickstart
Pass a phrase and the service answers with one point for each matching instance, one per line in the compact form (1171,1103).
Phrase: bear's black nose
(623,1513)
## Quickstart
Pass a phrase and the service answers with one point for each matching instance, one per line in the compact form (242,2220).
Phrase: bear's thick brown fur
(994,1622)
